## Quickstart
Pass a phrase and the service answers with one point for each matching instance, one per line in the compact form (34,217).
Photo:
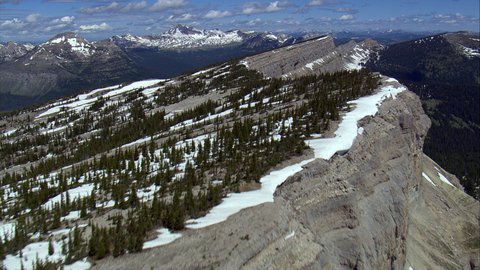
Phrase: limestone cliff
(370,208)
(318,55)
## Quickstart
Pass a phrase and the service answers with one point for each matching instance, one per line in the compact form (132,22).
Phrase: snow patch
(7,231)
(428,178)
(358,57)
(290,235)
(443,178)
(74,194)
(164,237)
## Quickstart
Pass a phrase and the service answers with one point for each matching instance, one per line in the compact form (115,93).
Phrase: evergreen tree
(51,249)
(2,249)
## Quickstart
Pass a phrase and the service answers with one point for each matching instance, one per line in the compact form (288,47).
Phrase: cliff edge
(370,208)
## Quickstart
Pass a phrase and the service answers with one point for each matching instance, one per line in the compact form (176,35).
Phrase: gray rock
(367,209)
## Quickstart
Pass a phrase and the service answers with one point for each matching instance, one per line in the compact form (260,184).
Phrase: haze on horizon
(38,20)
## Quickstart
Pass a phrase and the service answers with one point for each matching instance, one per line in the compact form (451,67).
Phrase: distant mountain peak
(73,42)
(181,29)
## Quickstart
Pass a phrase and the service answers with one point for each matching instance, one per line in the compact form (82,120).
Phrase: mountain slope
(68,64)
(444,71)
(64,65)
(315,56)
(12,51)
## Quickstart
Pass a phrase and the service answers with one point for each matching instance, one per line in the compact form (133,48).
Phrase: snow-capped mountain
(63,64)
(186,37)
(68,63)
(11,51)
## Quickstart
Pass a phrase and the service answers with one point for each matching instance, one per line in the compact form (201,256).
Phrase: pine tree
(2,249)
(51,249)
(133,198)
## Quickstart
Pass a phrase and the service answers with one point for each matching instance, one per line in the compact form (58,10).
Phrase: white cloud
(167,4)
(316,2)
(346,17)
(33,17)
(65,19)
(95,27)
(212,14)
(114,6)
(254,22)
(55,27)
(251,8)
(14,23)
(273,6)
(134,6)
(181,18)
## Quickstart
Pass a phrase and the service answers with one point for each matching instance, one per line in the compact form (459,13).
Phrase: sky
(39,20)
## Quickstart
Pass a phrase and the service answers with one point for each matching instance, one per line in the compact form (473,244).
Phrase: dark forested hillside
(444,71)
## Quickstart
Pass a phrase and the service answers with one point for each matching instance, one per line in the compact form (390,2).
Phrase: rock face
(317,55)
(12,51)
(369,208)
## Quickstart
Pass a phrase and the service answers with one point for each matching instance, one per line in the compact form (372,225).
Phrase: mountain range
(68,63)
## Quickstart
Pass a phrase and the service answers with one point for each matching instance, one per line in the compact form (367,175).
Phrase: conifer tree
(2,249)
(51,249)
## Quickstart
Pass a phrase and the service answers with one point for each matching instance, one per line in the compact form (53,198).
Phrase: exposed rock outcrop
(318,55)
(366,209)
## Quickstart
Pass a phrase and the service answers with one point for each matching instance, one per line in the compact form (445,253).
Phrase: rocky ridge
(313,56)
(366,209)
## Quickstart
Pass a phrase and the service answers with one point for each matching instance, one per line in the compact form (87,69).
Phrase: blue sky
(37,20)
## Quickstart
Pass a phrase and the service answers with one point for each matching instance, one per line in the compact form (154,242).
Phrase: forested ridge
(112,172)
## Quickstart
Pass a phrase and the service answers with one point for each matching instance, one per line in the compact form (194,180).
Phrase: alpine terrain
(68,64)
(294,158)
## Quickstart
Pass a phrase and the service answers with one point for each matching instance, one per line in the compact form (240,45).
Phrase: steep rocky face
(314,56)
(12,51)
(360,210)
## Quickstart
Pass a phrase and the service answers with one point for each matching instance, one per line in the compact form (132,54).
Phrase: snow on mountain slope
(186,37)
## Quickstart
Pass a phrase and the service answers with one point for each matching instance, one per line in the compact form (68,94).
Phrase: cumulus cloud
(346,17)
(251,8)
(14,23)
(160,5)
(95,27)
(64,20)
(212,14)
(33,18)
